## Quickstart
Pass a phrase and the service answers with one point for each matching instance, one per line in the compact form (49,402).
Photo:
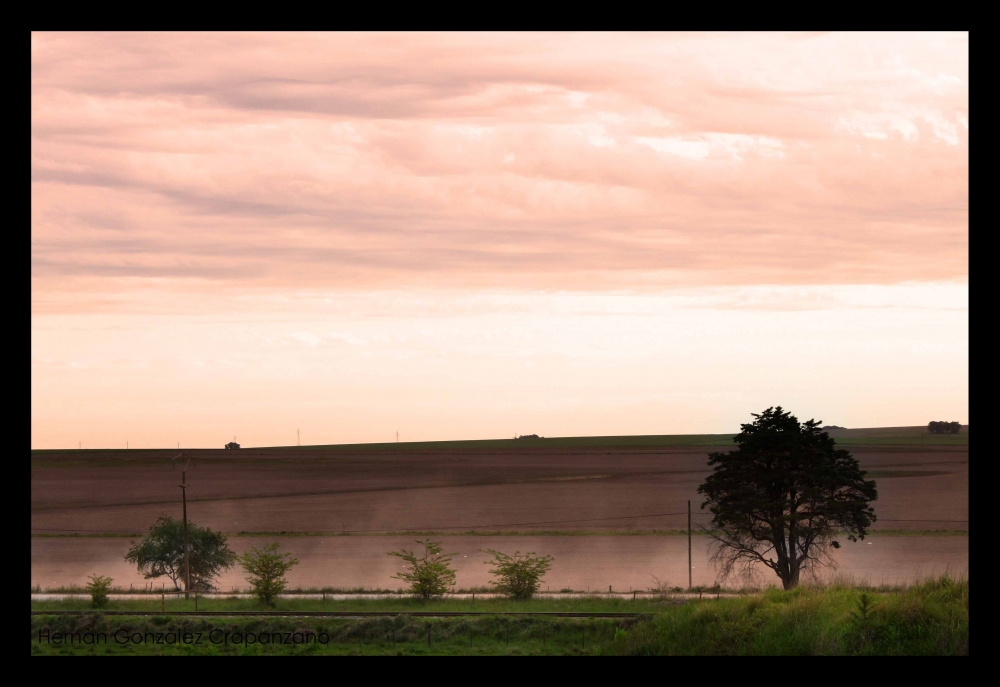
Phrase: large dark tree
(781,498)
(161,553)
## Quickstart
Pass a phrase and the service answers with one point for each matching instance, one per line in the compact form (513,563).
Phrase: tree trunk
(788,571)
(793,575)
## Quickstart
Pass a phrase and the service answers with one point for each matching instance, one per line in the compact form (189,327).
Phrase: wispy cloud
(466,235)
(551,161)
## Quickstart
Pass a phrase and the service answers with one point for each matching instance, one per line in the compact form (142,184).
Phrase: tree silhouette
(782,496)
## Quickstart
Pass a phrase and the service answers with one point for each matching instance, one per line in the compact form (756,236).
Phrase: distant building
(530,436)
(232,444)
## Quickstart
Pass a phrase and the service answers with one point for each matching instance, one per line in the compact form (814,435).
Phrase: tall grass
(929,618)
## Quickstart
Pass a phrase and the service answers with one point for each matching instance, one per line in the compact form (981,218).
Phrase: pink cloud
(535,161)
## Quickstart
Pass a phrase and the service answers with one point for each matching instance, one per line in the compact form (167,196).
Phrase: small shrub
(266,571)
(430,575)
(663,588)
(98,589)
(518,575)
(864,606)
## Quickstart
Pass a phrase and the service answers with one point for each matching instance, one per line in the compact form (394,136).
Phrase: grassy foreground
(931,618)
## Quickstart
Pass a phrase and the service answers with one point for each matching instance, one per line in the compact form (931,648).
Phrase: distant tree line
(943,427)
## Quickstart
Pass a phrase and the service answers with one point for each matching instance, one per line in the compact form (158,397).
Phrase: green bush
(266,571)
(519,575)
(98,589)
(430,575)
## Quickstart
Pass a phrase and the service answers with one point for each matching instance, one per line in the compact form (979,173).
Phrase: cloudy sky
(477,235)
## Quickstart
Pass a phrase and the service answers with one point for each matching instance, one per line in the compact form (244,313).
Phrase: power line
(924,520)
(422,529)
(459,527)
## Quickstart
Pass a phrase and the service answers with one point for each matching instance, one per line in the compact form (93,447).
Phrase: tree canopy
(782,496)
(161,553)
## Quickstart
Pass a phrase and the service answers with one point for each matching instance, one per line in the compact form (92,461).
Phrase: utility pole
(689,546)
(298,438)
(397,436)
(187,562)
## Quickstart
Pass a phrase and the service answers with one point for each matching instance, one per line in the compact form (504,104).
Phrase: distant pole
(690,585)
(126,445)
(187,565)
(298,438)
(79,445)
(397,436)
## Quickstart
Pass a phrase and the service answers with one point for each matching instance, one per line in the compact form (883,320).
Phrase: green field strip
(871,436)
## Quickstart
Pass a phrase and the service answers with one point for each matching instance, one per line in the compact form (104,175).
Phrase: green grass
(906,436)
(389,636)
(925,619)
(870,436)
(931,618)
(400,604)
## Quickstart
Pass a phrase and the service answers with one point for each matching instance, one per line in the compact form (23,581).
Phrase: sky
(476,235)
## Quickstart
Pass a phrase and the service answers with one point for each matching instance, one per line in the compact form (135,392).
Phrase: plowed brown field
(524,489)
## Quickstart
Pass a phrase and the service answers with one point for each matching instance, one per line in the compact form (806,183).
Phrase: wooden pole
(187,564)
(690,585)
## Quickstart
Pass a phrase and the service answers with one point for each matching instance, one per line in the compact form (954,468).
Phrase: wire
(925,520)
(494,525)
(431,528)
